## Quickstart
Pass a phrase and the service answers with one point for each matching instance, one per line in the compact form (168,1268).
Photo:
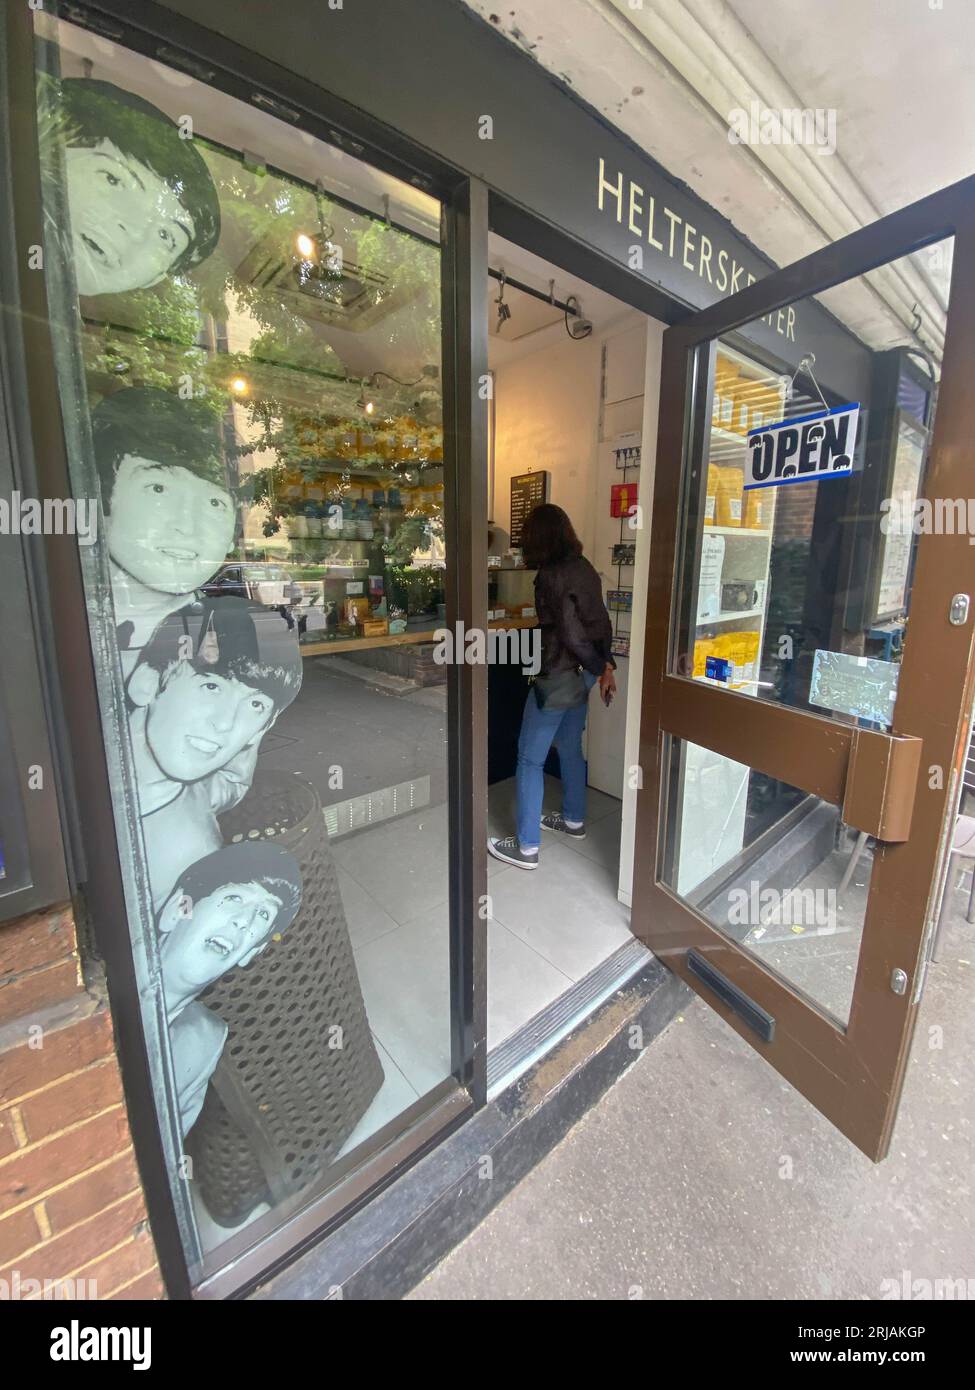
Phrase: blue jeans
(540,728)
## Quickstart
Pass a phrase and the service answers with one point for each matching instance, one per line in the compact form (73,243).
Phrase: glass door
(808,656)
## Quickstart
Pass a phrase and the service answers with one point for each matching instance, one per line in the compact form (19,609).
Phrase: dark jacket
(576,629)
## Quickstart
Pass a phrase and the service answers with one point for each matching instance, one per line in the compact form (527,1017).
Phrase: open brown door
(808,675)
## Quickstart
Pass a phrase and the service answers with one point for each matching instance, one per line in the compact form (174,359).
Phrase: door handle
(881,783)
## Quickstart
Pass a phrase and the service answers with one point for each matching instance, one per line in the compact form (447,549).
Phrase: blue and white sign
(804,449)
(716,668)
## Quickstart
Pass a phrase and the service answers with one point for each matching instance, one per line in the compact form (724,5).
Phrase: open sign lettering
(804,449)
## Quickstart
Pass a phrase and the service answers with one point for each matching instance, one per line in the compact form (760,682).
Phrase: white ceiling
(899,75)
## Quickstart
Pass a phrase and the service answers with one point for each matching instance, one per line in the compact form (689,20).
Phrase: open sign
(804,449)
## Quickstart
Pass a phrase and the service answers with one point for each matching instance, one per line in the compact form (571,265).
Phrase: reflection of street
(822,961)
(378,739)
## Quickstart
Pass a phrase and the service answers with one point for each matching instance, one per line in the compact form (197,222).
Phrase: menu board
(528,490)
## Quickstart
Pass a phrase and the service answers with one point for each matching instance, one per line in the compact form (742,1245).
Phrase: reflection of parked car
(261,583)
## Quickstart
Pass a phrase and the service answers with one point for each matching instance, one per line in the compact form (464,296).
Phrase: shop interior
(569,371)
(316,333)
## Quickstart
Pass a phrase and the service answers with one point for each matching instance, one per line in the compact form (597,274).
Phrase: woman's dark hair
(548,537)
(97,111)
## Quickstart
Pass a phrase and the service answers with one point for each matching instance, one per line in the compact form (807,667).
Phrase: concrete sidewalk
(676,1185)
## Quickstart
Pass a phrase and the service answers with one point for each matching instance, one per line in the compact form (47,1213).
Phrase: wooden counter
(338,645)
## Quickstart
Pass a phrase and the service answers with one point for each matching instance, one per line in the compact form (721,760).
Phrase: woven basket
(299,1068)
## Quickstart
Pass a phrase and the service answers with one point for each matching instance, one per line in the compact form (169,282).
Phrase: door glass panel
(770,867)
(247,327)
(795,578)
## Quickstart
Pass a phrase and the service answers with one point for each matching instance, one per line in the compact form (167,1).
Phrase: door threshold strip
(512,1057)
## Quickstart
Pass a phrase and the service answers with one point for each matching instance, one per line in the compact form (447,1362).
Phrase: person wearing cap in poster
(200,706)
(222,913)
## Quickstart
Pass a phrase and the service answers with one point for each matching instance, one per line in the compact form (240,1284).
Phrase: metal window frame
(39,824)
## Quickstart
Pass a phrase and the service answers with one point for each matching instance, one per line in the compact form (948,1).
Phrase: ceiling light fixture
(320,263)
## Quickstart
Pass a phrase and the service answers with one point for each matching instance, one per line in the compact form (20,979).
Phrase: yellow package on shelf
(711,497)
(751,407)
(730,485)
(741,650)
(723,406)
(703,648)
(744,394)
(772,403)
(758,509)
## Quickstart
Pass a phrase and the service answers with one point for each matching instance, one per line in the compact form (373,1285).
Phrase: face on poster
(223,912)
(141,202)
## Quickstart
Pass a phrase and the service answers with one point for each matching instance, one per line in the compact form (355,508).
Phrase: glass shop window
(247,333)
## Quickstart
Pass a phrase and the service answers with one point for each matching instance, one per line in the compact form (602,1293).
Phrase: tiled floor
(547,930)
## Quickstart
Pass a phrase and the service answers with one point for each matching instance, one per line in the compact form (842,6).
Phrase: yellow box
(703,648)
(725,376)
(741,649)
(730,485)
(758,509)
(711,496)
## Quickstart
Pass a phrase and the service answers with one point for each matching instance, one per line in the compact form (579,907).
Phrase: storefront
(315,326)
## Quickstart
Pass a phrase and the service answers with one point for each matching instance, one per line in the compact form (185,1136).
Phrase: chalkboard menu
(528,490)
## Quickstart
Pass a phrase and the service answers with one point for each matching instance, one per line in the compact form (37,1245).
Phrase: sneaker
(556,821)
(509,851)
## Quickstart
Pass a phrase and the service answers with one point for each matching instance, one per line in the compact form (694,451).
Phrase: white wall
(641,573)
(547,416)
(622,415)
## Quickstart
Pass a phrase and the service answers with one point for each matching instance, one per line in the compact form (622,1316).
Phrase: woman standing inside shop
(576,633)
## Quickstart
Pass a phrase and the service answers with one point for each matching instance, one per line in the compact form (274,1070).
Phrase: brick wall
(795,512)
(71,1205)
(413,661)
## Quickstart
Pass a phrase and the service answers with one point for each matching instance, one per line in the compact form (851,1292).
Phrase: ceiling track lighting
(580,327)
